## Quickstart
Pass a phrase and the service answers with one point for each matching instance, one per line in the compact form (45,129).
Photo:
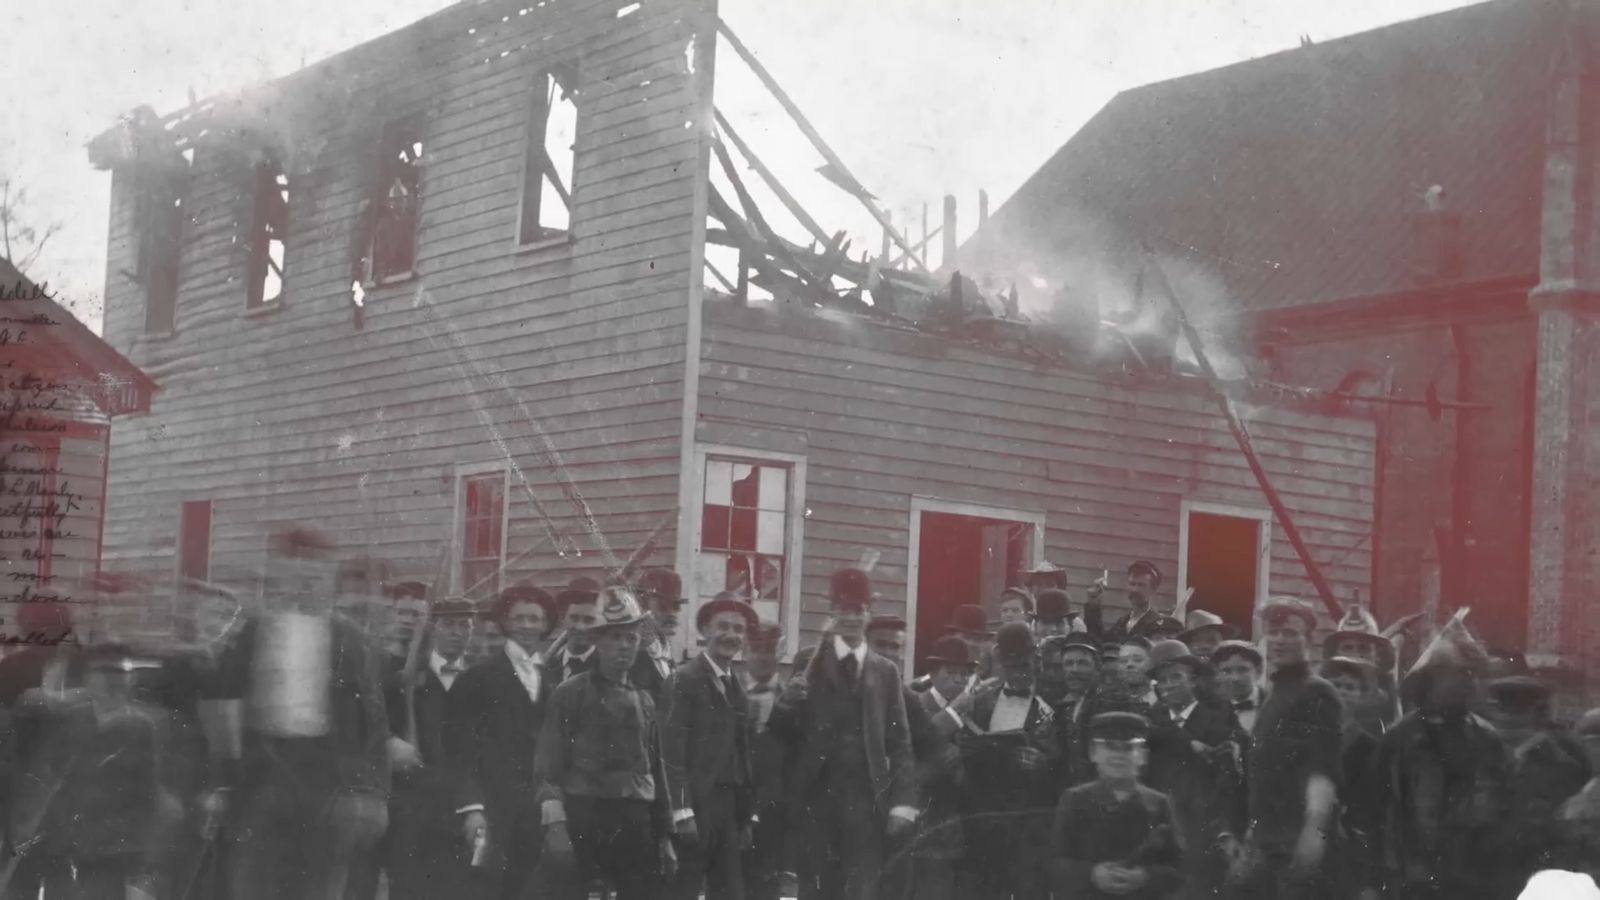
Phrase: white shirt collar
(1183,715)
(716,670)
(520,657)
(841,650)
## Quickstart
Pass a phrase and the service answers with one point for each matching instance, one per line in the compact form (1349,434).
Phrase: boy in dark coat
(1114,837)
(603,790)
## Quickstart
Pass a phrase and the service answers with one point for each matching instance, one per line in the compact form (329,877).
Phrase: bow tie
(1244,705)
(450,669)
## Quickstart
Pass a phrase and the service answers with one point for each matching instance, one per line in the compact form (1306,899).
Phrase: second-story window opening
(549,161)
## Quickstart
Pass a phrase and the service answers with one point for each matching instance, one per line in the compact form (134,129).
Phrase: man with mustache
(706,748)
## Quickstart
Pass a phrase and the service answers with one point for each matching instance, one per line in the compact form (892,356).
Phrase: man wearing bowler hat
(706,747)
(940,843)
(661,593)
(853,781)
(1053,614)
(1114,837)
(1195,746)
(1009,768)
(603,791)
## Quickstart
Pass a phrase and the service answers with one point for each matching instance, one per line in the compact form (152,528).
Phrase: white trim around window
(461,472)
(794,537)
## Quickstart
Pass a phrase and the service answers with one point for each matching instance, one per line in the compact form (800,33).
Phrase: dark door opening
(1222,566)
(962,560)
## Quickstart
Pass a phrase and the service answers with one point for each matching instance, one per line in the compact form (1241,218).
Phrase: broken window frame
(159,216)
(402,156)
(269,224)
(701,583)
(552,85)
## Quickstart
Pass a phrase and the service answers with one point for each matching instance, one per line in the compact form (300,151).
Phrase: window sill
(565,239)
(389,280)
(263,309)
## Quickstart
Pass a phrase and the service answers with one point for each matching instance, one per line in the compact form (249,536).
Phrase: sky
(920,98)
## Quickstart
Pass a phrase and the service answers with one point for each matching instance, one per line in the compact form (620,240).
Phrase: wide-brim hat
(1330,645)
(1199,620)
(1347,665)
(1164,654)
(726,602)
(1237,648)
(951,650)
(618,608)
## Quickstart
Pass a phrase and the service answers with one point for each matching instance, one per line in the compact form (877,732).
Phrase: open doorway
(1224,555)
(962,554)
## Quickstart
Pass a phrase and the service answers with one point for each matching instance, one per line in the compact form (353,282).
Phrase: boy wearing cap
(1009,767)
(603,790)
(497,708)
(1293,766)
(706,750)
(852,785)
(1114,837)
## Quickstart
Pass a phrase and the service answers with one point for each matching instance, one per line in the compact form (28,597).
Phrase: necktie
(727,686)
(1244,705)
(848,667)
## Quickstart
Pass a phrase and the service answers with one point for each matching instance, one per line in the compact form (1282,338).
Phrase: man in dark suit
(940,843)
(1010,775)
(661,593)
(764,864)
(706,747)
(1195,748)
(1142,619)
(311,788)
(852,781)
(498,708)
(435,815)
(573,652)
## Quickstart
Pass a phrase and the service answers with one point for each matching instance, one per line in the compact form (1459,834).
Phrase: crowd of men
(349,735)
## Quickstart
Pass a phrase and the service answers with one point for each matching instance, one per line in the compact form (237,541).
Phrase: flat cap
(1119,726)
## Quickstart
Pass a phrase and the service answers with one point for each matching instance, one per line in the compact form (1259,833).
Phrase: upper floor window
(160,214)
(268,232)
(549,162)
(396,203)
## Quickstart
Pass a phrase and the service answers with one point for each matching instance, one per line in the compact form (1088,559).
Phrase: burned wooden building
(447,292)
(1395,217)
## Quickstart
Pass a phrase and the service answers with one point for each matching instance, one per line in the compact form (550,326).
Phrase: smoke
(1096,291)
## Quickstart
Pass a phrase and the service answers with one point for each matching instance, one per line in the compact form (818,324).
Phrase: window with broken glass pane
(397,203)
(268,234)
(744,533)
(548,160)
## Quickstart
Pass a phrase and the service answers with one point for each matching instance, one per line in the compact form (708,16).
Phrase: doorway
(962,554)
(1224,556)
